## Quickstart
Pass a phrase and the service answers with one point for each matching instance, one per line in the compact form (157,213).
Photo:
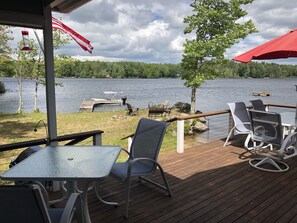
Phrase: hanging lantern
(25,35)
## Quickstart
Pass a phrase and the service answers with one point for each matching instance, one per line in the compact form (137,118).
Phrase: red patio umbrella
(284,46)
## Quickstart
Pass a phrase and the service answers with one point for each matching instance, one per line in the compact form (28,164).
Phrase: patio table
(67,163)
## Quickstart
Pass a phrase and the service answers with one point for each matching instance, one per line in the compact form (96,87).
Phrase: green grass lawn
(115,124)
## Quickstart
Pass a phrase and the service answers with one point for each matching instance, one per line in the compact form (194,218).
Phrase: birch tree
(213,27)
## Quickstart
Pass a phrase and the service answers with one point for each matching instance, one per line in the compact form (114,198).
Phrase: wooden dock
(262,93)
(88,105)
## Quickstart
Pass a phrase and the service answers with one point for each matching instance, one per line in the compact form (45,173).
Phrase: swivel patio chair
(241,122)
(258,105)
(143,157)
(25,203)
(267,129)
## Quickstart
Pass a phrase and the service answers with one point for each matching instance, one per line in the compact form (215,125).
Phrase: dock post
(180,136)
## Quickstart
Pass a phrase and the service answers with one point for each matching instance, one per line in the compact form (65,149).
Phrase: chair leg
(251,149)
(128,183)
(95,186)
(272,162)
(165,181)
(166,187)
(64,194)
(228,137)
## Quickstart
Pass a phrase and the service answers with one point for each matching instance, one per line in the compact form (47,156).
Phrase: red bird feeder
(25,35)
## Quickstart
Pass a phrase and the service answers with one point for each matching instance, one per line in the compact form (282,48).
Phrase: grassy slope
(115,124)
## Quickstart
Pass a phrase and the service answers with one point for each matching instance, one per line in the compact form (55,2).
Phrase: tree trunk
(193,100)
(20,83)
(35,96)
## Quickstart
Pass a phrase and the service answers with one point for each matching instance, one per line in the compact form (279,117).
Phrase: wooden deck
(210,183)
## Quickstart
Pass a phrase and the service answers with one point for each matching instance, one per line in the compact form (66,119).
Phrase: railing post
(97,139)
(129,143)
(180,136)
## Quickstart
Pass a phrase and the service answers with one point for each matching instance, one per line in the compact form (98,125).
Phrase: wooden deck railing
(74,139)
(97,134)
(180,122)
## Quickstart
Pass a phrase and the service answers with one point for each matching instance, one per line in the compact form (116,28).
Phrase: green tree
(30,64)
(215,28)
(2,88)
(6,66)
(24,67)
(5,49)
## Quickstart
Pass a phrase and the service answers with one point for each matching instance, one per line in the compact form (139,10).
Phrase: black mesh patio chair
(258,105)
(267,129)
(143,157)
(25,203)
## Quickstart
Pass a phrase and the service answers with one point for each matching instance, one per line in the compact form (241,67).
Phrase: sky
(152,31)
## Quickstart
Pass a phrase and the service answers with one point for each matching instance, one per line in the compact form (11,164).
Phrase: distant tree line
(68,67)
(256,70)
(97,69)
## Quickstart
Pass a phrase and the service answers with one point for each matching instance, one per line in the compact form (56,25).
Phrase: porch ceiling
(30,13)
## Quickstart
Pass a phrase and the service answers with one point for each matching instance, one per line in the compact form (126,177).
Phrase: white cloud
(152,31)
(177,44)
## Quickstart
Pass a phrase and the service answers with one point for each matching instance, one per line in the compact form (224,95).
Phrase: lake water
(211,96)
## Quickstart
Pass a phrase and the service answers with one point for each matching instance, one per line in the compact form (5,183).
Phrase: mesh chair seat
(120,170)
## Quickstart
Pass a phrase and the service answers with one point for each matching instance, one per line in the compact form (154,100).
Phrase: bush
(2,88)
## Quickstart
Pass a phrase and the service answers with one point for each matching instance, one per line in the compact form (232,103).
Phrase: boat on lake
(110,98)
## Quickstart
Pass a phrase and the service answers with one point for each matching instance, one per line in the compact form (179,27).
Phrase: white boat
(110,98)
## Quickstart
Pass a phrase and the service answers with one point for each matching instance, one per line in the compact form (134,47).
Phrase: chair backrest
(258,105)
(22,204)
(240,116)
(266,127)
(147,139)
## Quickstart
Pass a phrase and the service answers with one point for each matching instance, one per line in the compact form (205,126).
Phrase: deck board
(209,183)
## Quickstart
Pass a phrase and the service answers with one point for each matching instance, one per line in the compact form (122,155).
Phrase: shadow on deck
(210,183)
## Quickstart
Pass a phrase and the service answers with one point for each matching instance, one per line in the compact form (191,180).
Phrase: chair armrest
(126,137)
(142,159)
(244,123)
(73,205)
(126,151)
(135,160)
